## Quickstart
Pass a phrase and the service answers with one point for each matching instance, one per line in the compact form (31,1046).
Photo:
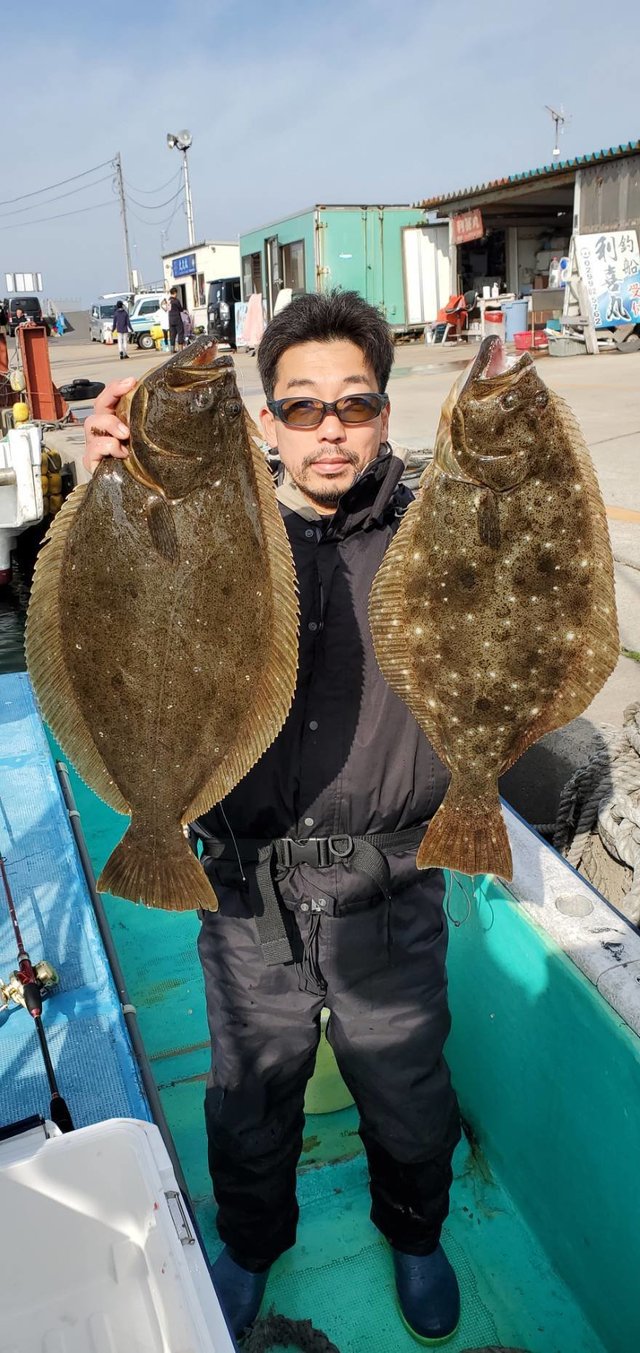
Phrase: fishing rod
(32,996)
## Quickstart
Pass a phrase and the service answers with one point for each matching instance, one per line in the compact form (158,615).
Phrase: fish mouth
(493,365)
(197,365)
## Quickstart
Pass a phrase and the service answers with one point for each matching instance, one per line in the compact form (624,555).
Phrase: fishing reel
(13,990)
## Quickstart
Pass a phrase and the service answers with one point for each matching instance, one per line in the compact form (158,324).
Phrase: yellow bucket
(156,332)
(326,1091)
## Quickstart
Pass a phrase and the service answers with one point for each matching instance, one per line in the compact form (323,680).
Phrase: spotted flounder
(162,627)
(493,613)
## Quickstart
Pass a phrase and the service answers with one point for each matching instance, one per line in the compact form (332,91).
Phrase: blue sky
(289,102)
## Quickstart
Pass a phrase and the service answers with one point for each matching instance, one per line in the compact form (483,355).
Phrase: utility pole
(188,204)
(123,212)
(182,141)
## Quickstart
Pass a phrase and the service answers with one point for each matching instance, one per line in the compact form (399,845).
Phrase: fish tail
(467,835)
(170,877)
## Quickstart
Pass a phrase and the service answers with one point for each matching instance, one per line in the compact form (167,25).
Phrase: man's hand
(104,434)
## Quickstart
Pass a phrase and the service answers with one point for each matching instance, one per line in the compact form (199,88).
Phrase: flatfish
(493,613)
(162,628)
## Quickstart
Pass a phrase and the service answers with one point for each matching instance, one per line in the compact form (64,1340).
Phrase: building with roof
(508,230)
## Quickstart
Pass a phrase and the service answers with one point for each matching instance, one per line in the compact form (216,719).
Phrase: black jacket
(350,757)
(121,321)
(175,312)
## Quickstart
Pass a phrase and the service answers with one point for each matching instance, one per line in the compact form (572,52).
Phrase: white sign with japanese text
(609,265)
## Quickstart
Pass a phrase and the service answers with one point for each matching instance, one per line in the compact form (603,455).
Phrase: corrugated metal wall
(610,196)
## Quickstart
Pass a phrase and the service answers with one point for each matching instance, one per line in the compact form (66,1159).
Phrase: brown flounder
(493,614)
(162,627)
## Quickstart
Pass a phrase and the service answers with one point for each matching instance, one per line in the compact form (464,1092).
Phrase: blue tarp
(86,1032)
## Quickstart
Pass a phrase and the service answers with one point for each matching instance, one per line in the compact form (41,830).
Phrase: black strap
(367,854)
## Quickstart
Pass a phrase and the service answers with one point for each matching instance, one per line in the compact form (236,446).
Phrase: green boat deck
(543,1224)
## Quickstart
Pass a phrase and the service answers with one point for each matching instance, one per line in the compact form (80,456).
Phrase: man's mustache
(342,454)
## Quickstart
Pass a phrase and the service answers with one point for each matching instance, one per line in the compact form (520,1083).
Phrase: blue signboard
(184,266)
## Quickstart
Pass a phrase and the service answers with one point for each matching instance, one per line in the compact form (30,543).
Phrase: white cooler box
(97,1251)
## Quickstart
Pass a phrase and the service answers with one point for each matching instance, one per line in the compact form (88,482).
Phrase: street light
(182,141)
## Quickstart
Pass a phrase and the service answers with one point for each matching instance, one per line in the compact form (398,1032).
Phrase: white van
(144,314)
(102,319)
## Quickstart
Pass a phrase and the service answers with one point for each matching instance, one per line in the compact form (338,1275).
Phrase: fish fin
(46,660)
(170,877)
(162,528)
(467,835)
(274,691)
(123,407)
(253,431)
(387,617)
(597,655)
(488,519)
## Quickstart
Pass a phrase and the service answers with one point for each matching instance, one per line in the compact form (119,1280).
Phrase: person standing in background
(176,326)
(187,325)
(122,327)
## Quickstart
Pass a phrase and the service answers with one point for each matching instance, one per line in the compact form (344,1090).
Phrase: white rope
(603,797)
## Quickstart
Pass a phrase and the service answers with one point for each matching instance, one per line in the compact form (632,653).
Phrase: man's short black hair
(320,319)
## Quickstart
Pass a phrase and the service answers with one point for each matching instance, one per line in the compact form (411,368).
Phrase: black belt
(365,853)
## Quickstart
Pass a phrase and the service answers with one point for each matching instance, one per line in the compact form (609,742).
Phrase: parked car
(221,310)
(101,321)
(30,306)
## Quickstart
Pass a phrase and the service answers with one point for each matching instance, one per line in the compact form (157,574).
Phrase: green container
(354,248)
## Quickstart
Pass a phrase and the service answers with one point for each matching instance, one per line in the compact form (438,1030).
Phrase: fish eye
(510,400)
(232,408)
(542,399)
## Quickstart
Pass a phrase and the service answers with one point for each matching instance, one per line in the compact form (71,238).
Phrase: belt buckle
(308,850)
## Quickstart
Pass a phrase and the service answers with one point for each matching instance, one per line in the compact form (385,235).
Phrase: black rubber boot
(428,1295)
(239,1292)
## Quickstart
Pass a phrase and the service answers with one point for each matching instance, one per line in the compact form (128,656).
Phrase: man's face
(325,461)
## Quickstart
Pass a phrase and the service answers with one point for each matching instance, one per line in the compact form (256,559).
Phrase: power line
(21,225)
(33,206)
(154,224)
(8,201)
(166,228)
(150,192)
(159,205)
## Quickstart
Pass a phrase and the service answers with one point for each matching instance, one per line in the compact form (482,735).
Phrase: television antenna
(559,119)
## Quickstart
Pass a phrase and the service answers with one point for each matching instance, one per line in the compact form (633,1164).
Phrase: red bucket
(523,342)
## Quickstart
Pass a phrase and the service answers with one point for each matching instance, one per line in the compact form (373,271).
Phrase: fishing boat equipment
(13,989)
(32,1001)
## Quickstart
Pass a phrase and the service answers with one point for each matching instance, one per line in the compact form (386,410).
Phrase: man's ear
(384,424)
(268,425)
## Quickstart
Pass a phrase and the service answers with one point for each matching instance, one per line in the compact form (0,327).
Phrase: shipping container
(388,254)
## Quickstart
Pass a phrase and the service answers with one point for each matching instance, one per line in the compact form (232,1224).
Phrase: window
(251,275)
(293,265)
(199,289)
(149,307)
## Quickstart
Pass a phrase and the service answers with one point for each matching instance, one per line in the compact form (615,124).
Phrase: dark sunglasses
(309,413)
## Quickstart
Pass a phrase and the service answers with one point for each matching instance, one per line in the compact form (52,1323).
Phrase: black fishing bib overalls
(312,858)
